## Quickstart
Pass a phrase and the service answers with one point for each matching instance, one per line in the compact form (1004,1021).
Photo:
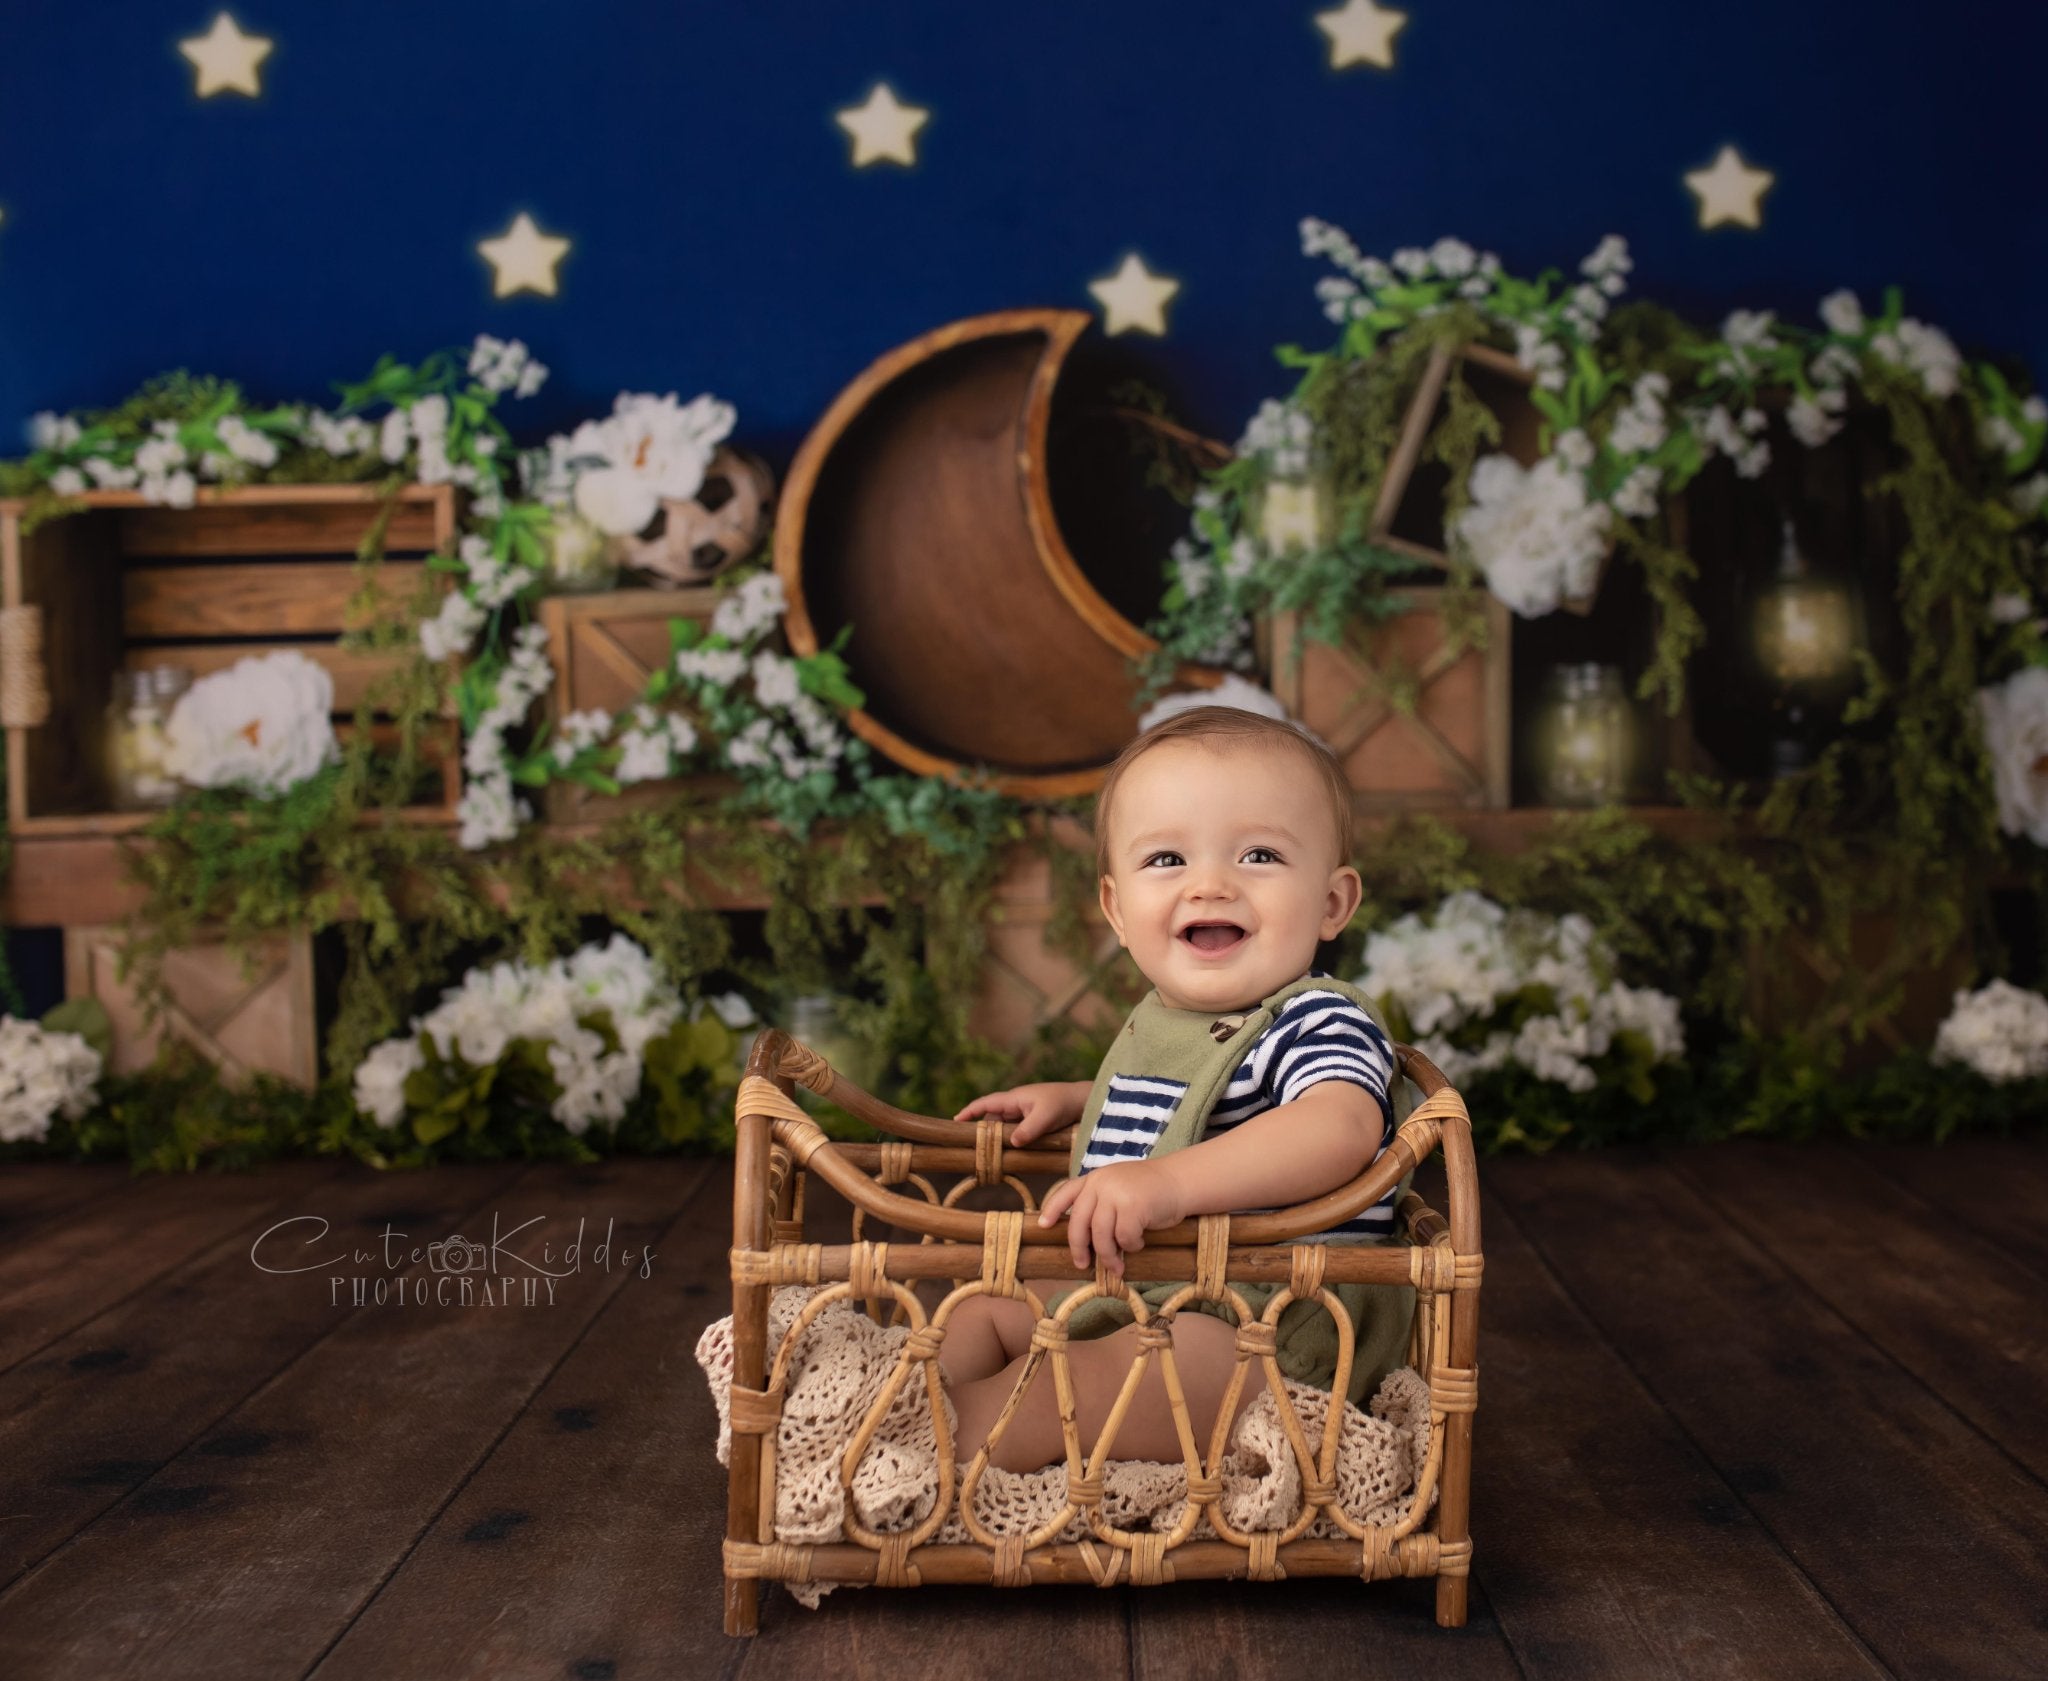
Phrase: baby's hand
(1112,1208)
(1037,1109)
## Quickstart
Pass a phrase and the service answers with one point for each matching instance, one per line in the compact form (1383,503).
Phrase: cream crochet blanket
(843,1360)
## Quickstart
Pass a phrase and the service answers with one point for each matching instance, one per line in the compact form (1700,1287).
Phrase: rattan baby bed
(779,1145)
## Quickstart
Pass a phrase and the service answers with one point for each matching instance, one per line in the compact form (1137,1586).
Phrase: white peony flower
(2000,1031)
(650,448)
(263,723)
(68,481)
(2015,715)
(1533,533)
(1232,691)
(43,1074)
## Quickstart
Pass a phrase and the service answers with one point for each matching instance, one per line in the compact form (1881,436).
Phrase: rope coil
(760,1096)
(1002,1234)
(1007,1566)
(1305,1276)
(988,1151)
(756,1412)
(895,1167)
(868,1269)
(1454,1389)
(1265,1557)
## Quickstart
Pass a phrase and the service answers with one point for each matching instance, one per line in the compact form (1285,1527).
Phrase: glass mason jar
(137,738)
(581,559)
(815,1019)
(1585,737)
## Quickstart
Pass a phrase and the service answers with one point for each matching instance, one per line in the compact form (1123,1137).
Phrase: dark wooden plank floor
(1746,1410)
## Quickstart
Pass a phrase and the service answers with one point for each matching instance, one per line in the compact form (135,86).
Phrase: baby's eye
(1267,850)
(1175,856)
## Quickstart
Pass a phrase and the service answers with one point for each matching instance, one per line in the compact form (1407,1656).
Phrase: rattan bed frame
(780,1145)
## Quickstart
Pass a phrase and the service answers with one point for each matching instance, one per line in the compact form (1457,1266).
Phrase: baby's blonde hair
(1222,727)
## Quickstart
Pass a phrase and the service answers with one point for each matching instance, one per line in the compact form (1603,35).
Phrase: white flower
(52,431)
(454,628)
(1452,257)
(1533,533)
(1927,351)
(2015,715)
(1450,972)
(733,1009)
(1810,422)
(108,476)
(644,755)
(2000,1030)
(1609,257)
(775,679)
(263,723)
(1412,261)
(392,436)
(68,481)
(380,1079)
(650,448)
(1575,449)
(1636,497)
(1638,429)
(43,1074)
(488,812)
(2029,496)
(341,434)
(749,608)
(1232,691)
(155,457)
(724,666)
(1842,313)
(1748,329)
(244,442)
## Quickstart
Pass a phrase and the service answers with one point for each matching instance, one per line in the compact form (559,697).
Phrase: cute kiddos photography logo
(522,1267)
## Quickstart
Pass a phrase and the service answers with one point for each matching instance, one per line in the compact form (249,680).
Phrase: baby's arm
(1322,1139)
(1038,1109)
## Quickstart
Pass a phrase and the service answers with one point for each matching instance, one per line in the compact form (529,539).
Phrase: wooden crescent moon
(918,512)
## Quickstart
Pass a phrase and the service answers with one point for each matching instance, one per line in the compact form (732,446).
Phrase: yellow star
(1134,297)
(882,129)
(226,58)
(1361,33)
(523,258)
(1730,191)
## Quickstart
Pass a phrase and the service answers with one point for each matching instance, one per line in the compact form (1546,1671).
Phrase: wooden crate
(1026,982)
(1450,752)
(243,1023)
(604,647)
(244,571)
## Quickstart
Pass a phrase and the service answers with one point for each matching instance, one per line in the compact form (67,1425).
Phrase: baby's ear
(1106,897)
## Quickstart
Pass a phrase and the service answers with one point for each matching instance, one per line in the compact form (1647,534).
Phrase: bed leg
(742,1606)
(751,1213)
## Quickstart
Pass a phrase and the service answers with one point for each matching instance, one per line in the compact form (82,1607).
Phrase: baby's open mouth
(1212,936)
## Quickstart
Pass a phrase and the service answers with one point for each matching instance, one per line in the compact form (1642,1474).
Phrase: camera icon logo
(456,1254)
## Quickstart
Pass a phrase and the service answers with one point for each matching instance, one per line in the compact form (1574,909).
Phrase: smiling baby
(1245,1080)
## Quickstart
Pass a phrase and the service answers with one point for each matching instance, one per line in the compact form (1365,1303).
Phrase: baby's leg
(984,1334)
(1205,1353)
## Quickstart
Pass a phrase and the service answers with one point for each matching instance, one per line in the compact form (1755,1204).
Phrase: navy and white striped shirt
(1317,1036)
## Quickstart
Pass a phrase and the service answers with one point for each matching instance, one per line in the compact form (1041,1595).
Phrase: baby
(1223,841)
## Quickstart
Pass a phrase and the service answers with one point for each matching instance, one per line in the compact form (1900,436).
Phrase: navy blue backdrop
(724,242)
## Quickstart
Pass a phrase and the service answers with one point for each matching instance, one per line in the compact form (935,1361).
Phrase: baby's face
(1234,840)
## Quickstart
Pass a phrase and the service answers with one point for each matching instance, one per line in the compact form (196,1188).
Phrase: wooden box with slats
(604,648)
(129,583)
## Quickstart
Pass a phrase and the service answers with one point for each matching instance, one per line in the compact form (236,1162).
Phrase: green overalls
(1201,1051)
